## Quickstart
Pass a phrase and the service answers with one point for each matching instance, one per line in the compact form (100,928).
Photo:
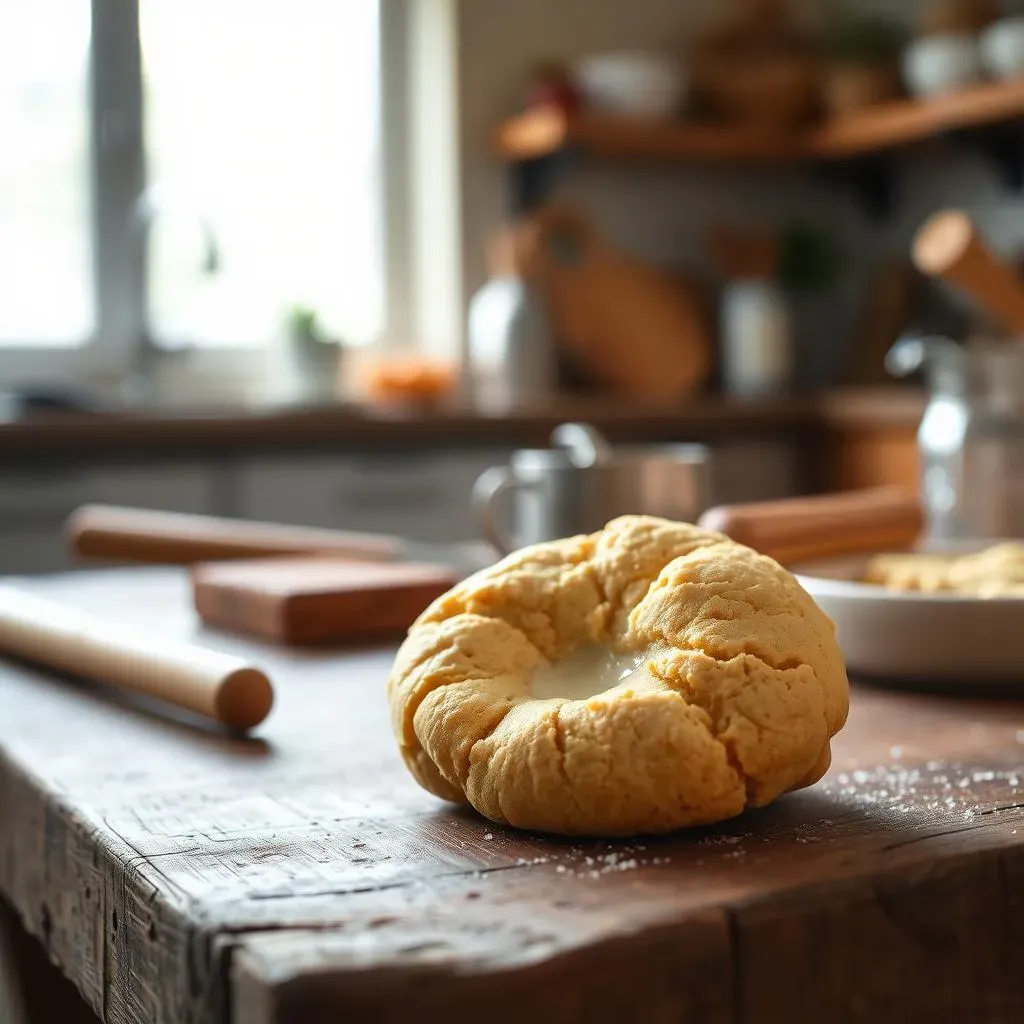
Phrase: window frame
(119,344)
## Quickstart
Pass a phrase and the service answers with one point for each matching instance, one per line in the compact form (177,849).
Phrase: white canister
(641,84)
(756,340)
(511,354)
(1002,48)
(938,64)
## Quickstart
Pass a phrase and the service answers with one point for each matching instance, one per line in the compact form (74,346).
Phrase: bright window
(186,169)
(261,134)
(45,249)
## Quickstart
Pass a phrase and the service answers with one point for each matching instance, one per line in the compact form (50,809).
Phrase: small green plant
(864,39)
(304,322)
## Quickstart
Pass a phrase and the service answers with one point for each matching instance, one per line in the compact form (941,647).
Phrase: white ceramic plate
(925,640)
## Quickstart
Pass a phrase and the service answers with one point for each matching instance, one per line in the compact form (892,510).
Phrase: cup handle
(585,444)
(487,490)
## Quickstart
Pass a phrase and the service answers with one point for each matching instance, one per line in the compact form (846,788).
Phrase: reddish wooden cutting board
(316,600)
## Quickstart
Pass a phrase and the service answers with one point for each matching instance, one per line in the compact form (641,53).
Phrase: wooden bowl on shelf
(848,88)
(773,91)
(757,69)
(938,17)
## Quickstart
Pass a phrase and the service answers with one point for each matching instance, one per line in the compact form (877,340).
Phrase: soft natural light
(262,152)
(45,247)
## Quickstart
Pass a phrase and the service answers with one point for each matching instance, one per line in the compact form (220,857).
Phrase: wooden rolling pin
(140,535)
(949,247)
(798,530)
(218,686)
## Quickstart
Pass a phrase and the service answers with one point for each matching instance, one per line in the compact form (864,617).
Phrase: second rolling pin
(144,535)
(795,530)
(176,538)
(217,686)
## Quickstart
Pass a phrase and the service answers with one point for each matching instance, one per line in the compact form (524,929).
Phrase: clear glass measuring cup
(971,438)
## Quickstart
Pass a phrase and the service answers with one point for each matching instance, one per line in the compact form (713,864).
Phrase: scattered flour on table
(942,787)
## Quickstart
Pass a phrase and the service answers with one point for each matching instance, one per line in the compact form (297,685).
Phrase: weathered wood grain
(175,875)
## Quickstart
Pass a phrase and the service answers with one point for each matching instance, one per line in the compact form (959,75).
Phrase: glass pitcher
(971,438)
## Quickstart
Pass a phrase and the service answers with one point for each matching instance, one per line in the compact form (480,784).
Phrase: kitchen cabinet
(744,470)
(34,503)
(426,496)
(872,457)
(422,495)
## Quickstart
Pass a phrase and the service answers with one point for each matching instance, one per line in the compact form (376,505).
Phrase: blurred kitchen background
(326,261)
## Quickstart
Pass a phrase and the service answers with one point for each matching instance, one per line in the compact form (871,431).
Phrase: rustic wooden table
(174,875)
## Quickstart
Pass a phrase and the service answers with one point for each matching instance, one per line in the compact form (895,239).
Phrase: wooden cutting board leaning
(635,329)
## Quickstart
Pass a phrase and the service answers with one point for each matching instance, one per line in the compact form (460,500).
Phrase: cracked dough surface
(739,689)
(997,571)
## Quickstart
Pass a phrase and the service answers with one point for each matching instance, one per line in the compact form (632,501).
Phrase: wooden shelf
(900,122)
(545,131)
(886,126)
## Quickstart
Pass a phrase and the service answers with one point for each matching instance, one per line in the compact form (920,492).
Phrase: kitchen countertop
(207,429)
(177,874)
(893,408)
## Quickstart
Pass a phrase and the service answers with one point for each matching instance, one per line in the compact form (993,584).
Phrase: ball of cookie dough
(647,677)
